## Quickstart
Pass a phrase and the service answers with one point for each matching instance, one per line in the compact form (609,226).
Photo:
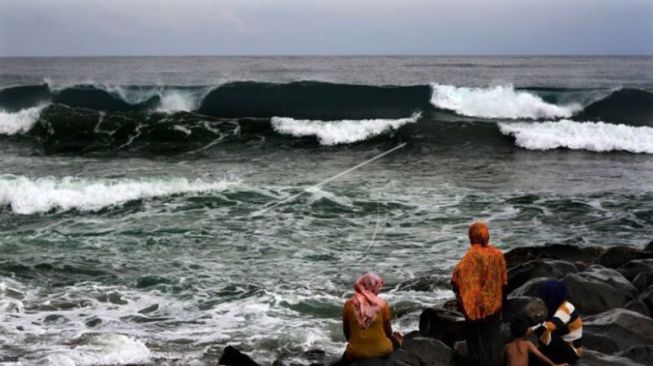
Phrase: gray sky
(263,27)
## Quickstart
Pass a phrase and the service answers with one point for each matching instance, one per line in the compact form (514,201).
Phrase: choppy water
(128,185)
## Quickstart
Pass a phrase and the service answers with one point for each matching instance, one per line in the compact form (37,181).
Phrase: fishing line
(318,185)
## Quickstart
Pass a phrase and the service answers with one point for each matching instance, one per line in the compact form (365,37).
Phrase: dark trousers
(557,351)
(483,341)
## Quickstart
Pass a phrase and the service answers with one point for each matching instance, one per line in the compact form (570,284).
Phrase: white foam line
(591,136)
(12,123)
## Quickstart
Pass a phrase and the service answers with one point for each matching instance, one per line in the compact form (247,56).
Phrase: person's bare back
(517,353)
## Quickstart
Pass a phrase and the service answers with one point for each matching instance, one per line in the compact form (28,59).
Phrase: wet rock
(642,354)
(233,357)
(642,268)
(643,281)
(527,307)
(649,247)
(529,288)
(551,268)
(55,319)
(429,351)
(619,255)
(565,252)
(404,358)
(598,289)
(460,352)
(593,358)
(93,322)
(647,298)
(617,329)
(445,325)
(638,306)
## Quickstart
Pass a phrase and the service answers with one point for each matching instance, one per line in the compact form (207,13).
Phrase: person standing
(479,281)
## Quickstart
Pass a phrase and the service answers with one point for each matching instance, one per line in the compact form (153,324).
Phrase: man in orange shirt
(479,280)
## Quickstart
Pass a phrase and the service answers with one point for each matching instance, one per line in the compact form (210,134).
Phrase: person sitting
(366,322)
(518,350)
(561,334)
(479,280)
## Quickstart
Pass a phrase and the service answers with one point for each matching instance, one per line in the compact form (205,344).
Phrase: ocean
(131,191)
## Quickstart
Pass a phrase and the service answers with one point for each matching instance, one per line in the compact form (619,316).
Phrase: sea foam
(591,136)
(27,196)
(18,122)
(497,102)
(339,132)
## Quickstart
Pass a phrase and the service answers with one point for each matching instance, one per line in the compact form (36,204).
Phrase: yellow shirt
(371,342)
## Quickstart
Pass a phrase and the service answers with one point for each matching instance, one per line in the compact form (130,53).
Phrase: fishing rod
(318,185)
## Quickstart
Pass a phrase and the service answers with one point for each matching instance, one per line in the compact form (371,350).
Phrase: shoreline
(612,286)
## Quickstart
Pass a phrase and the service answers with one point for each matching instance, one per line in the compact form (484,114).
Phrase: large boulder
(445,325)
(233,357)
(530,288)
(638,305)
(524,272)
(617,256)
(639,272)
(617,330)
(641,353)
(647,298)
(598,289)
(565,252)
(649,246)
(429,351)
(527,307)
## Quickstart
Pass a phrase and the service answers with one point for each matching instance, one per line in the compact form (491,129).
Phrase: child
(518,350)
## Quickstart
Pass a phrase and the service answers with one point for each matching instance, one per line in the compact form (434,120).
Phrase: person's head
(553,293)
(518,328)
(479,233)
(369,282)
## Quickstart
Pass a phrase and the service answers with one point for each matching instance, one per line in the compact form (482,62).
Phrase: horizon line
(329,55)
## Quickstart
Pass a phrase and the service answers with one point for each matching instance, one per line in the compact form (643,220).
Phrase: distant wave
(12,123)
(339,132)
(497,102)
(591,136)
(28,195)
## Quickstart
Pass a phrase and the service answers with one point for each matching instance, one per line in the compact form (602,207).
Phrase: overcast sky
(265,27)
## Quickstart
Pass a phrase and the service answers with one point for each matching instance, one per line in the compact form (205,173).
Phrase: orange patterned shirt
(479,278)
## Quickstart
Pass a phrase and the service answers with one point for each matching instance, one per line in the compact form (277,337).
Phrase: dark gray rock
(642,354)
(445,325)
(649,247)
(528,307)
(565,252)
(639,272)
(593,358)
(616,330)
(551,268)
(429,351)
(598,290)
(529,288)
(638,306)
(643,281)
(233,357)
(402,357)
(647,298)
(460,353)
(617,256)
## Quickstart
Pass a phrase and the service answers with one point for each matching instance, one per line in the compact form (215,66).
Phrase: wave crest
(339,132)
(591,136)
(28,196)
(18,122)
(497,102)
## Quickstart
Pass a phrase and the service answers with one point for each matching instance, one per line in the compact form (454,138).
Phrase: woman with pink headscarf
(366,321)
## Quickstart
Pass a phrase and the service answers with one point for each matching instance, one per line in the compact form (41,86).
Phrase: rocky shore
(611,287)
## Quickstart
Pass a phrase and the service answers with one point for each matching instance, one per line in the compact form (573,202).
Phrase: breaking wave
(497,102)
(12,123)
(29,196)
(339,132)
(591,136)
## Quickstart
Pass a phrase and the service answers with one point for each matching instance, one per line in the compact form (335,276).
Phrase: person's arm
(345,322)
(387,321)
(538,354)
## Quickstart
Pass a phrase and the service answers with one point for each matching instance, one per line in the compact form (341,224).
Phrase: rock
(643,281)
(647,298)
(617,256)
(566,252)
(598,289)
(638,305)
(402,357)
(593,358)
(642,354)
(233,357)
(529,288)
(527,307)
(524,272)
(460,352)
(638,267)
(649,247)
(429,351)
(445,325)
(617,329)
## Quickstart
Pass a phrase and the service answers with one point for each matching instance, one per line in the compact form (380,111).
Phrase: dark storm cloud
(165,27)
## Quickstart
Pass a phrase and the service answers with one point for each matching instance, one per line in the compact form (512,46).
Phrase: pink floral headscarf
(365,300)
